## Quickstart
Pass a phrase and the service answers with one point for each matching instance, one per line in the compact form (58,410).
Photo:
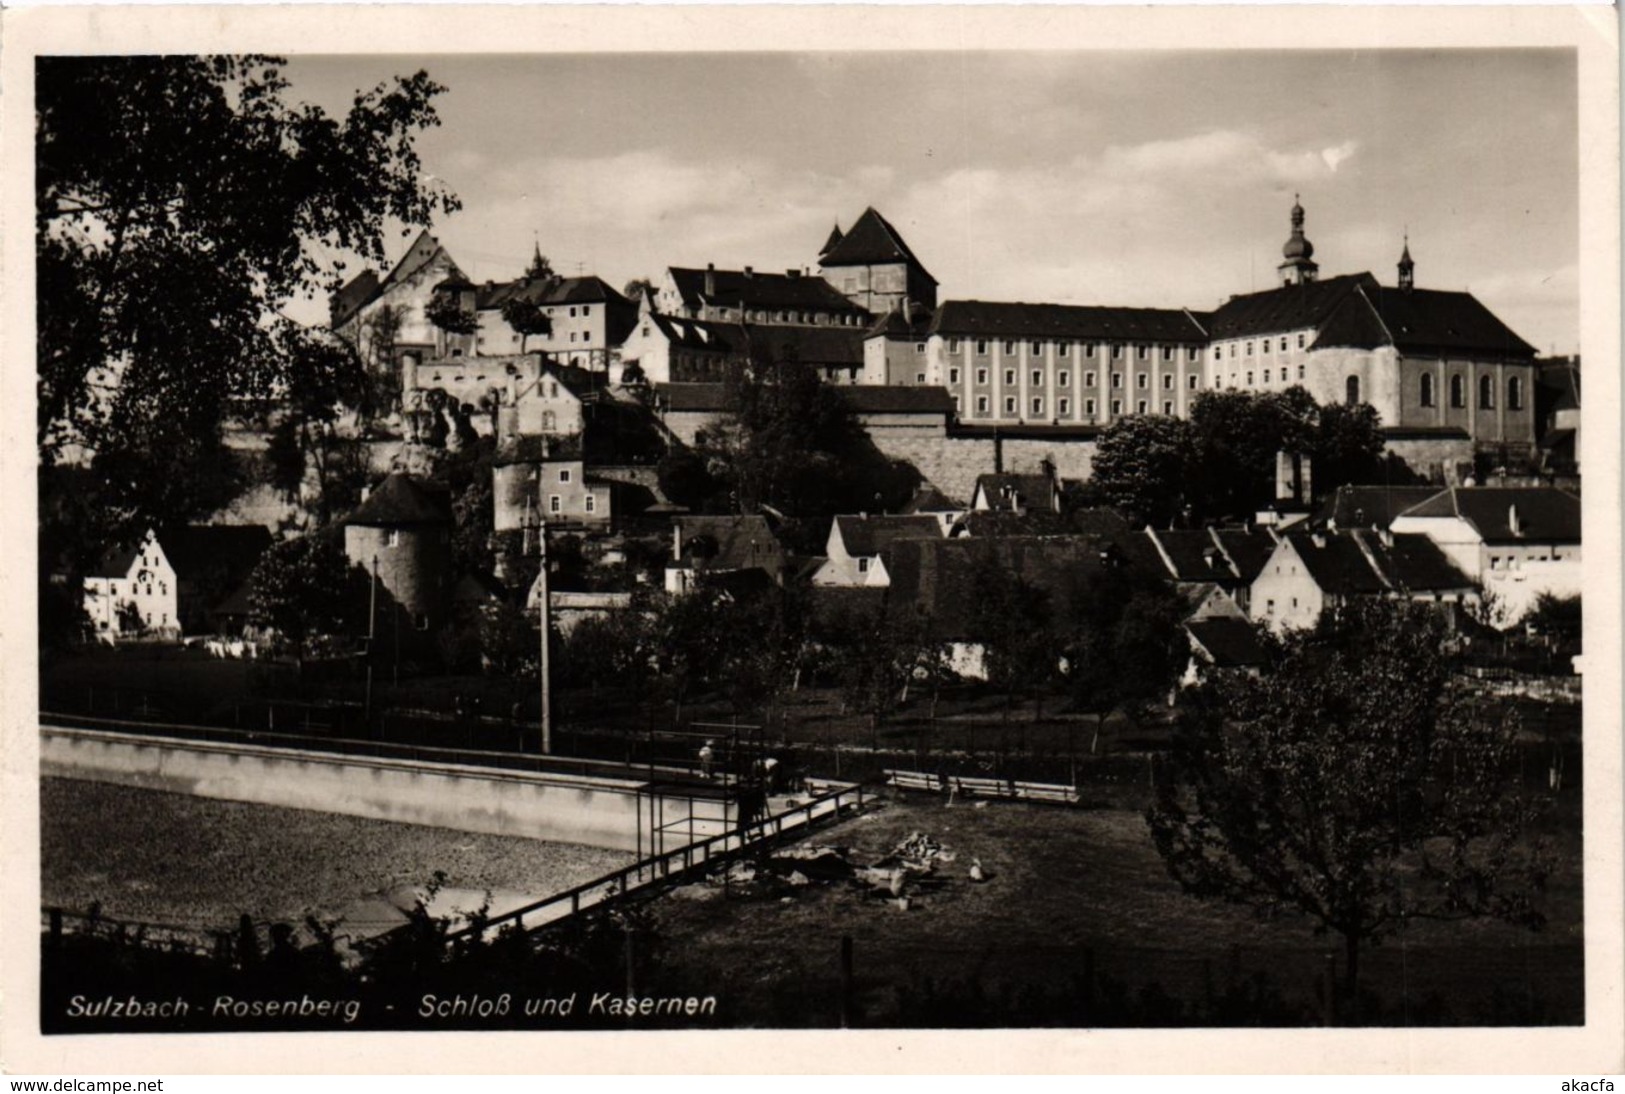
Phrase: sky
(1145,178)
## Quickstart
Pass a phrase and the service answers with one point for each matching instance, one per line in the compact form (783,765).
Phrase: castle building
(588,320)
(873,268)
(388,314)
(755,296)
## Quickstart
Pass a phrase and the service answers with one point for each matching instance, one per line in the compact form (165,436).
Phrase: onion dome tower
(1407,268)
(1299,267)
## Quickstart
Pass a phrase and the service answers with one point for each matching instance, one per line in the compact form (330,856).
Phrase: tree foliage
(1238,435)
(306,588)
(445,311)
(1011,619)
(180,203)
(526,317)
(1126,645)
(1144,465)
(878,655)
(1354,785)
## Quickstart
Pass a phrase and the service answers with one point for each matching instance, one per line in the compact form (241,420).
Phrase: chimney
(676,540)
(366,492)
(710,279)
(792,274)
(749,272)
(1514,522)
(1284,478)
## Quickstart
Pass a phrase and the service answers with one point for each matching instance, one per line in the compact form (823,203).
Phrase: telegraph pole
(545,613)
(372,632)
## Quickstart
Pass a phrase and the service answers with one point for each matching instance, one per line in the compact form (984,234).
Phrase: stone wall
(952,464)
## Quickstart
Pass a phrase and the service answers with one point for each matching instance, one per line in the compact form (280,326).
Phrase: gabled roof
(1414,563)
(928,499)
(1226,643)
(871,241)
(1031,491)
(559,290)
(871,535)
(1545,513)
(366,286)
(1419,321)
(1192,555)
(821,347)
(1338,564)
(1370,506)
(1291,307)
(357,293)
(115,562)
(742,542)
(760,290)
(915,325)
(1248,549)
(402,499)
(1363,563)
(1085,323)
(232,550)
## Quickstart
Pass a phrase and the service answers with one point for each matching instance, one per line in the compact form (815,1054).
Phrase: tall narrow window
(1427,389)
(1352,396)
(1458,391)
(1514,393)
(1486,393)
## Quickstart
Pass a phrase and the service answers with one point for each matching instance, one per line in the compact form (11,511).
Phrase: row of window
(1264,347)
(821,319)
(1063,407)
(1142,380)
(1486,392)
(137,589)
(1142,351)
(1218,381)
(555,503)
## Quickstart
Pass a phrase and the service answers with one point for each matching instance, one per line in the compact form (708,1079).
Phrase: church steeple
(1299,253)
(1407,268)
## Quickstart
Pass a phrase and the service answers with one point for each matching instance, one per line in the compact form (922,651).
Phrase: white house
(1309,572)
(856,546)
(133,591)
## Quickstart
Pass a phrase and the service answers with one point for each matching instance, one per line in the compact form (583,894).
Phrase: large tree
(1352,783)
(526,317)
(305,589)
(1126,645)
(1238,434)
(1144,467)
(180,205)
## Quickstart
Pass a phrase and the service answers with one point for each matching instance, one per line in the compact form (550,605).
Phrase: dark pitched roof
(742,542)
(1370,506)
(1559,384)
(1362,563)
(831,240)
(885,399)
(1089,323)
(1421,321)
(115,562)
(760,290)
(357,293)
(1193,555)
(928,499)
(1338,564)
(403,499)
(1247,548)
(230,549)
(1545,513)
(821,347)
(1227,643)
(1032,491)
(914,326)
(560,290)
(1291,307)
(366,286)
(871,240)
(711,397)
(1415,563)
(871,535)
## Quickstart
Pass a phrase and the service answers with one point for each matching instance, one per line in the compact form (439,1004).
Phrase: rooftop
(403,499)
(870,241)
(869,535)
(758,289)
(1084,323)
(1545,514)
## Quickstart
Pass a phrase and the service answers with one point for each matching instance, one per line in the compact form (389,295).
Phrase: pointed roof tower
(1407,268)
(871,241)
(832,242)
(1299,267)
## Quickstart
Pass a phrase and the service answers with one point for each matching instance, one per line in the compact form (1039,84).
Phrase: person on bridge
(708,758)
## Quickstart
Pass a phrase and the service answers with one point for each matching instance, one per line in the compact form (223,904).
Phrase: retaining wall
(597,812)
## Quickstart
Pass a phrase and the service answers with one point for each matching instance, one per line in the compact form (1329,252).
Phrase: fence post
(847,1015)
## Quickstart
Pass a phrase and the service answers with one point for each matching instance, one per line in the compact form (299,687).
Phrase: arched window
(1486,392)
(1427,389)
(1353,390)
(1514,393)
(1458,391)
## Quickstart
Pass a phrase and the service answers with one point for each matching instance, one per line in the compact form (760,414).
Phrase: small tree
(305,588)
(1351,784)
(526,317)
(447,313)
(1126,647)
(1011,621)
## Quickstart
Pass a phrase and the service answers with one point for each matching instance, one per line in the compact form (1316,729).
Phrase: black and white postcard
(1017,538)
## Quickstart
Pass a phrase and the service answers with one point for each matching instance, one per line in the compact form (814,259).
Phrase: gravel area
(178,859)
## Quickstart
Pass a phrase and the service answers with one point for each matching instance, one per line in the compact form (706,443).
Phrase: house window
(1037,349)
(1269,607)
(1351,391)
(586,310)
(1458,391)
(555,504)
(1264,346)
(981,404)
(1167,381)
(1427,389)
(1300,372)
(863,565)
(1117,406)
(572,313)
(1038,407)
(1141,406)
(981,376)
(1009,377)
(1010,404)
(392,538)
(1142,352)
(1117,379)
(1300,341)
(1190,381)
(1232,351)
(564,474)
(1089,407)
(1514,393)
(1167,353)
(1088,379)
(1249,349)
(953,345)
(981,347)
(1064,407)
(1038,377)
(1266,376)
(1142,381)
(1088,349)
(1061,349)
(1168,407)
(1117,352)
(1218,352)
(919,377)
(919,347)
(1063,379)
(1249,378)
(953,376)
(1192,353)
(591,503)
(1486,393)
(1009,347)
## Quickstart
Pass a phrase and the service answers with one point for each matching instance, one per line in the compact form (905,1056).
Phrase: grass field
(196,862)
(1077,887)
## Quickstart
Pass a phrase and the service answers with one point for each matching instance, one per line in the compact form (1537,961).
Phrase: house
(1221,643)
(706,548)
(1309,572)
(666,349)
(928,501)
(213,564)
(587,317)
(133,591)
(757,297)
(855,554)
(1016,493)
(1557,415)
(895,347)
(401,534)
(874,268)
(387,314)
(1373,507)
(1516,541)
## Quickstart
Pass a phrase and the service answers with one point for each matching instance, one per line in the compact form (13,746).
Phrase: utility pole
(372,631)
(545,613)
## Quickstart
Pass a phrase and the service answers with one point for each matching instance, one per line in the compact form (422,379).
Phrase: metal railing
(58,923)
(669,864)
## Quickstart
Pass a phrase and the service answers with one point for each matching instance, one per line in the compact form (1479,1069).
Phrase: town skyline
(1135,179)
